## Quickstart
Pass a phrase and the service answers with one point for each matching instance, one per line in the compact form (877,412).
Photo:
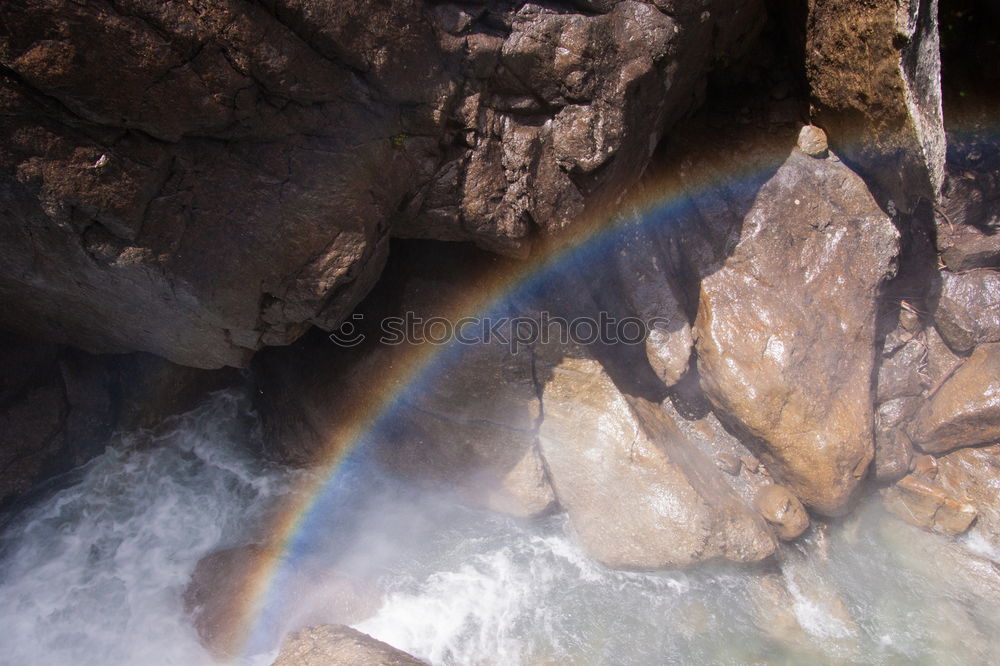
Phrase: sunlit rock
(965,411)
(337,645)
(812,141)
(926,504)
(783,510)
(974,473)
(786,328)
(638,496)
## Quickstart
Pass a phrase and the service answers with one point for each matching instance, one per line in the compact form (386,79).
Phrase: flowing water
(94,573)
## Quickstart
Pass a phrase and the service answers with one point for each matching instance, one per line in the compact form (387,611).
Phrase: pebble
(812,141)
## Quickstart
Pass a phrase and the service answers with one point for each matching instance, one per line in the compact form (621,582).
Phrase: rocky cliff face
(202,181)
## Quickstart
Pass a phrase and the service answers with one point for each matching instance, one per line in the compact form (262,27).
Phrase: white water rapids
(94,573)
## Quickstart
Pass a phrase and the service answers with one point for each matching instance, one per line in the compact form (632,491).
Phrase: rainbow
(657,200)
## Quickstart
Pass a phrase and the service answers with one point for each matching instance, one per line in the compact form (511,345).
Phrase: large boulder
(966,409)
(202,182)
(786,328)
(637,494)
(337,645)
(874,69)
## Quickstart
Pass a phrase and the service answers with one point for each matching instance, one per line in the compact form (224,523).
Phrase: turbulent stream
(94,572)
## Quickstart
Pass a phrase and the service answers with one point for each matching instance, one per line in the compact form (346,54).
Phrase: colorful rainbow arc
(658,201)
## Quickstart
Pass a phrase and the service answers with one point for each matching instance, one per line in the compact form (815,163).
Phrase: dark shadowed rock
(967,310)
(968,221)
(785,330)
(637,495)
(202,182)
(337,645)
(875,72)
(966,409)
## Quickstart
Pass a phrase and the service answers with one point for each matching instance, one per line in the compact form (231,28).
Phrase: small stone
(728,463)
(783,511)
(751,464)
(812,141)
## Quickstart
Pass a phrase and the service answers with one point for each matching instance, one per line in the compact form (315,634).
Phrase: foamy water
(95,574)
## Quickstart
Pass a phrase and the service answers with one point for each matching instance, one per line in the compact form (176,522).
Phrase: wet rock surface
(776,323)
(337,645)
(967,310)
(616,470)
(926,504)
(965,411)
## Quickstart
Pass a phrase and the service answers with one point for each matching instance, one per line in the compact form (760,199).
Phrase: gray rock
(337,645)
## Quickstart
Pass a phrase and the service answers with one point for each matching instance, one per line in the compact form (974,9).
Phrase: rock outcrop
(874,69)
(337,645)
(966,409)
(202,182)
(786,328)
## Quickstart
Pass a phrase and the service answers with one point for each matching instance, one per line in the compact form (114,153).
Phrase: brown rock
(901,373)
(337,645)
(929,506)
(795,298)
(967,310)
(965,411)
(637,495)
(198,182)
(893,455)
(973,474)
(925,467)
(728,463)
(875,70)
(783,510)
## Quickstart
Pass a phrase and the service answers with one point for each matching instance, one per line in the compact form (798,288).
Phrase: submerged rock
(965,411)
(337,645)
(786,328)
(638,496)
(221,599)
